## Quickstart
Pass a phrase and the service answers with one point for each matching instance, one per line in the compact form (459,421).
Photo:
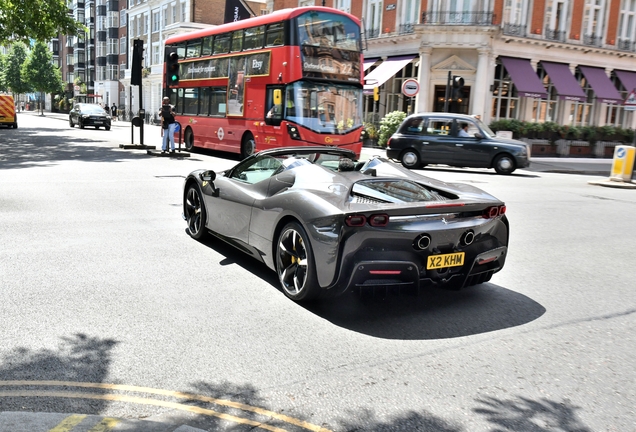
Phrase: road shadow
(406,314)
(442,168)
(530,415)
(79,358)
(30,147)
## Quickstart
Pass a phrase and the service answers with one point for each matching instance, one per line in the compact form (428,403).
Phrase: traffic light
(376,93)
(137,60)
(458,84)
(172,67)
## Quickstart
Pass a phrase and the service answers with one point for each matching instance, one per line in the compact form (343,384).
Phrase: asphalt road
(108,309)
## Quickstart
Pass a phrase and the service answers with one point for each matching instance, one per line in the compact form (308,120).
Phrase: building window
(174,13)
(165,16)
(374,18)
(505,102)
(155,54)
(582,113)
(545,110)
(122,45)
(183,12)
(343,5)
(113,46)
(626,25)
(594,22)
(112,72)
(156,21)
(69,59)
(113,19)
(122,18)
(617,115)
(556,21)
(395,100)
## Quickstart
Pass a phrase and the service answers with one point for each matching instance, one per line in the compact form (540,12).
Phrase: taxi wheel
(107,127)
(81,125)
(504,164)
(411,159)
(70,122)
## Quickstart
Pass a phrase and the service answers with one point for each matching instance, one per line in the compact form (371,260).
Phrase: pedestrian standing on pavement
(167,125)
(113,112)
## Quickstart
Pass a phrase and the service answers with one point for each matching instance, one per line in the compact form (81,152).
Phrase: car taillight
(493,212)
(379,220)
(388,143)
(356,220)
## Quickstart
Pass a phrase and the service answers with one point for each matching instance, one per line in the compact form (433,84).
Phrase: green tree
(40,20)
(40,72)
(389,125)
(3,67)
(13,78)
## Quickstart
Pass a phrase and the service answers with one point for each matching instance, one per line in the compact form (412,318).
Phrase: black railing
(372,33)
(626,45)
(592,39)
(555,35)
(514,29)
(406,29)
(458,18)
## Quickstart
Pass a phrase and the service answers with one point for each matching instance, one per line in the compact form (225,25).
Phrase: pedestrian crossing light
(376,93)
(172,67)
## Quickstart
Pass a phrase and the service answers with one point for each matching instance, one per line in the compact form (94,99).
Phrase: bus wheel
(188,139)
(248,145)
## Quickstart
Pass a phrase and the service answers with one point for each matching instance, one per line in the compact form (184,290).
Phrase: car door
(471,151)
(437,141)
(230,207)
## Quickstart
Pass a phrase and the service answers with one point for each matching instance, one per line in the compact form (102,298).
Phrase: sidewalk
(587,166)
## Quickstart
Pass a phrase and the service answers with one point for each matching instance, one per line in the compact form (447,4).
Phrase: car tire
(504,164)
(81,124)
(248,145)
(410,159)
(107,127)
(194,212)
(188,139)
(15,125)
(295,264)
(70,123)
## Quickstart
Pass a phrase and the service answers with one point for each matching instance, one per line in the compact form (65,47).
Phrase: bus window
(193,49)
(181,49)
(204,101)
(254,38)
(191,101)
(207,46)
(217,102)
(237,40)
(222,43)
(328,30)
(275,34)
(178,103)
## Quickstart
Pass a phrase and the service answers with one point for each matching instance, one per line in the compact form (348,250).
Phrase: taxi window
(413,125)
(439,126)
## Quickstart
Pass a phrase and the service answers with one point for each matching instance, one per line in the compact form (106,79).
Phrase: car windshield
(485,128)
(92,109)
(324,108)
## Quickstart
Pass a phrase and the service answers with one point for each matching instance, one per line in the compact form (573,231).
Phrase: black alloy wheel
(194,210)
(504,164)
(295,264)
(247,146)
(70,122)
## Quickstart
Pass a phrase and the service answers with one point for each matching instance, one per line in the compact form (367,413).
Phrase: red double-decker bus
(289,78)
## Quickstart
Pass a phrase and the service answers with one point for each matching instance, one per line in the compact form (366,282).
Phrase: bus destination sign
(331,64)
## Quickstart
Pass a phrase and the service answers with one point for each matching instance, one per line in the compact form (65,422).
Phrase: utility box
(623,163)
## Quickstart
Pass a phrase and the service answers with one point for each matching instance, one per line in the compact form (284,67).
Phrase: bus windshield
(324,108)
(326,29)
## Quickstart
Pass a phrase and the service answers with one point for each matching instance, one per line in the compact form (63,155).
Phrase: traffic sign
(630,101)
(410,88)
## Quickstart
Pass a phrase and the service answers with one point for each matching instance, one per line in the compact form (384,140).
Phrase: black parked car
(456,140)
(84,114)
(327,224)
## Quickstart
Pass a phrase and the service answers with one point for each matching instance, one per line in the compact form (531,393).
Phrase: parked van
(8,116)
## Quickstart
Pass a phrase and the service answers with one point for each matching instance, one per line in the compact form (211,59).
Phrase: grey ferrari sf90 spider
(326,223)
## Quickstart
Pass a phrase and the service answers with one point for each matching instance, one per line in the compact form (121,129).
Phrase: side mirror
(207,176)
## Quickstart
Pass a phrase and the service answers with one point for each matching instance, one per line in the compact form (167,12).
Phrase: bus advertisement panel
(290,78)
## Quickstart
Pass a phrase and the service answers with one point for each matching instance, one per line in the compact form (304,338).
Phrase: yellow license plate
(445,260)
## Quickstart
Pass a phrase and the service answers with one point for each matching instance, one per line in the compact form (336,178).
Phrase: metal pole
(132,127)
(447,92)
(141,105)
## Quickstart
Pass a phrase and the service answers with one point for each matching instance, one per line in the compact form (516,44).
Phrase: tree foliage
(40,72)
(12,73)
(40,20)
(3,67)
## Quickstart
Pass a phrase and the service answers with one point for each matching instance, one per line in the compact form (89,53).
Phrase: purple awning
(628,79)
(386,70)
(524,77)
(566,85)
(368,63)
(602,85)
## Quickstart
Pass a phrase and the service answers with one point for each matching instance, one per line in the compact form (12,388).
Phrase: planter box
(605,149)
(541,147)
(580,148)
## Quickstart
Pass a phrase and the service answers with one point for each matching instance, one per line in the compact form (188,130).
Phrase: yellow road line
(68,423)
(107,424)
(124,398)
(179,395)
